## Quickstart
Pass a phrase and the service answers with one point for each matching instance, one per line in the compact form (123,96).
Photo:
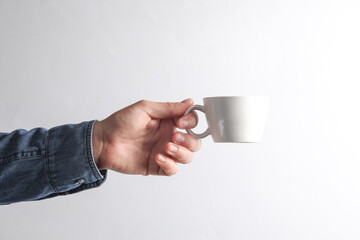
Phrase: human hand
(138,139)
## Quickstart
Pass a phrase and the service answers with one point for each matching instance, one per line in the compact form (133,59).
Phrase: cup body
(236,119)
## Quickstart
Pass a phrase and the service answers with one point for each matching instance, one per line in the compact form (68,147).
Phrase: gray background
(71,61)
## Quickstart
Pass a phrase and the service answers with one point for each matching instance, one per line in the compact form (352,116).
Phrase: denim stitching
(98,173)
(17,156)
(49,135)
(88,149)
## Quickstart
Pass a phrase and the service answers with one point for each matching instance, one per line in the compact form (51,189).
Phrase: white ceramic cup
(233,119)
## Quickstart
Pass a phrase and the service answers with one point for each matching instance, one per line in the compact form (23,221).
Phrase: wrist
(97,144)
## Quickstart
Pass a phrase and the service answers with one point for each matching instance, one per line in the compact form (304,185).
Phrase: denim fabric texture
(40,163)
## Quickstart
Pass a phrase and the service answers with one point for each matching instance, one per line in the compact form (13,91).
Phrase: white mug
(233,119)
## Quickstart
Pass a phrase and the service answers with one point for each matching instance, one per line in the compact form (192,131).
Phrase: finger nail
(179,137)
(184,124)
(173,148)
(161,159)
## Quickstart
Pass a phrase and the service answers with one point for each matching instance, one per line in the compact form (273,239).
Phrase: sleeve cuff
(70,162)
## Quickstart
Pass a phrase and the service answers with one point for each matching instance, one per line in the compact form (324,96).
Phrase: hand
(139,138)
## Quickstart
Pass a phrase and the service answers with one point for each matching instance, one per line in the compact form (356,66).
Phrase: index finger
(162,110)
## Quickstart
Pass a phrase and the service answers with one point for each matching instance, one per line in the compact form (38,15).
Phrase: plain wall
(72,61)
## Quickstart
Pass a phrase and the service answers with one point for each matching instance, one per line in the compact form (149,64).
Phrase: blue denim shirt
(41,163)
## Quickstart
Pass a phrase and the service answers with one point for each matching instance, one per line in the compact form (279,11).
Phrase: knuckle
(190,139)
(143,102)
(195,117)
(177,134)
(180,155)
(170,170)
(170,107)
(167,147)
(186,158)
(190,116)
(194,143)
(173,171)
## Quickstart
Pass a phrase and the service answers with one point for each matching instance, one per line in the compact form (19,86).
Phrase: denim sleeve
(41,163)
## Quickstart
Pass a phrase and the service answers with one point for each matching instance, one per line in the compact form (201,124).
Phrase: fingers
(181,150)
(165,109)
(188,141)
(180,153)
(167,165)
(187,121)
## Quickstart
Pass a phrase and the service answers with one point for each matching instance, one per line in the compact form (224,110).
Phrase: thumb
(165,109)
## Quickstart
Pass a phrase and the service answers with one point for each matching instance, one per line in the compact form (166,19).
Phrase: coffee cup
(233,118)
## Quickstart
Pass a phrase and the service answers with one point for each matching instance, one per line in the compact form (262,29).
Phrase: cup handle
(197,135)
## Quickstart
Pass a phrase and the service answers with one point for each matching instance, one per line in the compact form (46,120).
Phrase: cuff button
(80,181)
